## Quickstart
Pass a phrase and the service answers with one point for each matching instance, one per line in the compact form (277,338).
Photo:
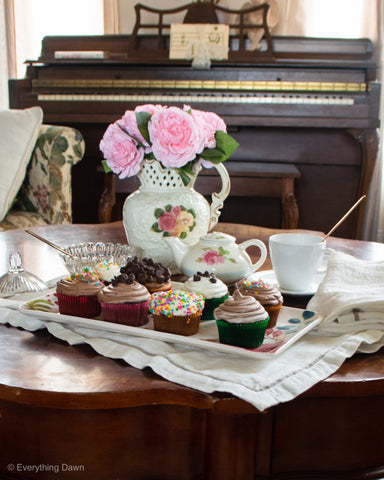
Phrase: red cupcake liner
(133,314)
(86,306)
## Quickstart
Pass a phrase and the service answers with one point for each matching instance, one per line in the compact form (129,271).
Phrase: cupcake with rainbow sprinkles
(176,311)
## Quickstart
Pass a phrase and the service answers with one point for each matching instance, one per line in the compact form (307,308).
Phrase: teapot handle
(218,198)
(263,252)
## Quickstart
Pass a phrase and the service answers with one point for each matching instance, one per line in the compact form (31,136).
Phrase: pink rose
(209,123)
(167,222)
(212,256)
(175,137)
(149,108)
(129,124)
(176,210)
(121,152)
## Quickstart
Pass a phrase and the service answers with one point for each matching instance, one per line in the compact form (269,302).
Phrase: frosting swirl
(240,309)
(106,270)
(176,303)
(207,285)
(124,292)
(265,293)
(80,284)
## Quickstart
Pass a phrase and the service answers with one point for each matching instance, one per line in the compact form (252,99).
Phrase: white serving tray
(292,324)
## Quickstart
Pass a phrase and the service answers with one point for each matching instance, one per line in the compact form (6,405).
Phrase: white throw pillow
(19,130)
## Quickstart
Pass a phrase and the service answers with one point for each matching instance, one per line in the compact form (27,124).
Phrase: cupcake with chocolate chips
(154,276)
(211,288)
(124,301)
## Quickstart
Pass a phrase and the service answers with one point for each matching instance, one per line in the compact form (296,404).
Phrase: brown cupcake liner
(180,325)
(273,312)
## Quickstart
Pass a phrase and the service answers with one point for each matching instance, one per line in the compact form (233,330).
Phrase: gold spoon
(50,244)
(343,218)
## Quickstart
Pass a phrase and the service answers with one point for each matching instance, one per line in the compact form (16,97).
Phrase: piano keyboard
(164,98)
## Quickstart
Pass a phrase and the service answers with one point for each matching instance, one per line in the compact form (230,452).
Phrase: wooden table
(71,413)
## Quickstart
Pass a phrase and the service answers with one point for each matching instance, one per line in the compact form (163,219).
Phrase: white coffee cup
(296,260)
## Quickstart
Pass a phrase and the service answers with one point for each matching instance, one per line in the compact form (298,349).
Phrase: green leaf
(183,235)
(158,212)
(192,212)
(213,155)
(225,146)
(155,228)
(223,252)
(225,143)
(185,177)
(105,166)
(166,234)
(167,208)
(142,119)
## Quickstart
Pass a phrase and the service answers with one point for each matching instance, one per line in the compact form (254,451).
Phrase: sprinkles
(176,303)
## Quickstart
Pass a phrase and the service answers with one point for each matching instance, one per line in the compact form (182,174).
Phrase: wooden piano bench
(258,179)
(248,179)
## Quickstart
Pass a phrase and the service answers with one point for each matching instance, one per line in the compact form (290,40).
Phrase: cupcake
(154,276)
(106,271)
(77,294)
(176,311)
(124,301)
(267,294)
(211,288)
(241,321)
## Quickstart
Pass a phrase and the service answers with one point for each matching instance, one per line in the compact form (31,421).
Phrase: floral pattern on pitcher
(174,221)
(212,257)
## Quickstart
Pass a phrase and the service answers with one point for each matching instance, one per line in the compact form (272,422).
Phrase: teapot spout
(178,249)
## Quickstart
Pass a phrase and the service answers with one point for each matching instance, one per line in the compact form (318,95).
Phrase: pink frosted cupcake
(77,294)
(125,301)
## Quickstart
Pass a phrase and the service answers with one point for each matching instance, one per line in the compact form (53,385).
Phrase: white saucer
(270,277)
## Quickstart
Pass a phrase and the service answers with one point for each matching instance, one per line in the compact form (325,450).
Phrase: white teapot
(217,253)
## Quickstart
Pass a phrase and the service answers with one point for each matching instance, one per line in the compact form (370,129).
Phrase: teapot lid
(216,237)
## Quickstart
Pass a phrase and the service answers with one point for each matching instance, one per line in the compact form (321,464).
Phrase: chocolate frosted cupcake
(241,321)
(77,294)
(213,290)
(124,301)
(154,276)
(267,294)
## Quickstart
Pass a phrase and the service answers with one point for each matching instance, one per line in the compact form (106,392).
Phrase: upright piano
(310,103)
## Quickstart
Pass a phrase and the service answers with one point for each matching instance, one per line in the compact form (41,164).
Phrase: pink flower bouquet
(173,136)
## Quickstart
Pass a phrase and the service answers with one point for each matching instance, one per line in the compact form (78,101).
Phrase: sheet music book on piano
(186,39)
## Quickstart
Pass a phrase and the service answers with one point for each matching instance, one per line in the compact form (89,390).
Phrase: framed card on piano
(187,39)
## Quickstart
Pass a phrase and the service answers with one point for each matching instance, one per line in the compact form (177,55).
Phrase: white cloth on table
(351,296)
(263,383)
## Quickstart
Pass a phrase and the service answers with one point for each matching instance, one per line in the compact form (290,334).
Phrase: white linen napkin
(263,383)
(351,296)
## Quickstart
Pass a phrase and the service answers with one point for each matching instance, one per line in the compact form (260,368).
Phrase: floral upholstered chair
(45,196)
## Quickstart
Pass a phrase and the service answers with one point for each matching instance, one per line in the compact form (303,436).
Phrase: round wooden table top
(38,369)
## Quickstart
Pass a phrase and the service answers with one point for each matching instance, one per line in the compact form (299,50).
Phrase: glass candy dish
(17,280)
(90,254)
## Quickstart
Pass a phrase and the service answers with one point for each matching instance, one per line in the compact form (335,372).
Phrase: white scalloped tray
(292,324)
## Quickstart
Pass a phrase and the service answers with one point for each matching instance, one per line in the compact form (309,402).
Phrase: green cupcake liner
(210,305)
(246,335)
